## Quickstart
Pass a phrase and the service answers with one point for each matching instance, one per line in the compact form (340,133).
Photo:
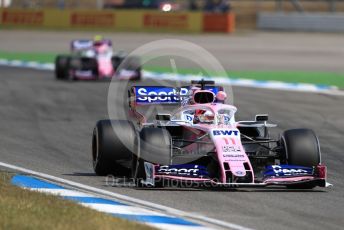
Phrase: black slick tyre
(61,67)
(301,148)
(112,152)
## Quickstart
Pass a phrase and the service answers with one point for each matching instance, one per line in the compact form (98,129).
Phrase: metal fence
(299,5)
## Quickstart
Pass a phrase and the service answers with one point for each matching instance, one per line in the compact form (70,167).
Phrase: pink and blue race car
(201,143)
(95,60)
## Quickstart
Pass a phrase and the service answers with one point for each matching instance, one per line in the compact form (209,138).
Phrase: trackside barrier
(213,22)
(316,22)
(119,20)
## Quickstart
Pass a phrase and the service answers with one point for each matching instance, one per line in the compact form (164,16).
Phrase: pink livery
(95,60)
(200,142)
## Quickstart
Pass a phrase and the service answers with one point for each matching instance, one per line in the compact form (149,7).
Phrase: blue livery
(188,170)
(164,95)
(159,94)
(225,132)
(288,171)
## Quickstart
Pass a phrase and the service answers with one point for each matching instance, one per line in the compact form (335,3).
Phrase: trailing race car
(203,143)
(93,60)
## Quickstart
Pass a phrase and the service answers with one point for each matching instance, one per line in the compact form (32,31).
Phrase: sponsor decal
(84,73)
(168,21)
(187,170)
(188,117)
(240,173)
(233,155)
(157,95)
(82,44)
(288,170)
(22,17)
(92,19)
(225,132)
(162,95)
(228,148)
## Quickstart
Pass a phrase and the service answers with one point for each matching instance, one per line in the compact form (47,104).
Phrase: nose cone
(105,68)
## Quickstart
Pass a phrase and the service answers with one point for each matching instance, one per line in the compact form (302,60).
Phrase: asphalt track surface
(241,51)
(46,125)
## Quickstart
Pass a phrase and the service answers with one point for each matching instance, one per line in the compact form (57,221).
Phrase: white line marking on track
(61,192)
(168,210)
(121,209)
(177,227)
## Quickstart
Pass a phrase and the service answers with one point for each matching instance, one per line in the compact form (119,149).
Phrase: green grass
(319,78)
(40,57)
(25,209)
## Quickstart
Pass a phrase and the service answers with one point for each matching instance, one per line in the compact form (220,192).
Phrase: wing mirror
(262,117)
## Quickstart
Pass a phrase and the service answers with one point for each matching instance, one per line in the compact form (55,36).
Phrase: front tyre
(112,152)
(130,63)
(61,67)
(301,148)
(134,63)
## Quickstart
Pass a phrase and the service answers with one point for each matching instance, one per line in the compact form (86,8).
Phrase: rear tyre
(301,148)
(61,67)
(112,152)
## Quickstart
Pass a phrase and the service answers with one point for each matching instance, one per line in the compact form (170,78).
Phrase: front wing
(197,174)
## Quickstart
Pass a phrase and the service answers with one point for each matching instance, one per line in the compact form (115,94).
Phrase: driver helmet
(203,116)
(98,40)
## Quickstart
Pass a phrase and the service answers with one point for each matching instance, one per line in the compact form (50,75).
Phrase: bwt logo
(159,94)
(225,132)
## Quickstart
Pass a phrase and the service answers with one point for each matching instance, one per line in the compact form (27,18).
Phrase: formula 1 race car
(93,60)
(202,143)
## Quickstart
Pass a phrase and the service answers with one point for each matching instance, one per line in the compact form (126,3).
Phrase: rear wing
(156,95)
(81,44)
(85,44)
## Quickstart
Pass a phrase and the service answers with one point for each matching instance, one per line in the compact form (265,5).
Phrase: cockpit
(206,115)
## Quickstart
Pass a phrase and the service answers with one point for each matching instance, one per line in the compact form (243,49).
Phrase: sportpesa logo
(182,170)
(280,171)
(149,94)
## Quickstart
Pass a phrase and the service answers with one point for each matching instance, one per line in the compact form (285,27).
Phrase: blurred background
(240,30)
(249,14)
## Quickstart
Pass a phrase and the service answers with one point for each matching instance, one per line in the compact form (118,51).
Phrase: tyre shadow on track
(252,190)
(79,174)
(217,189)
